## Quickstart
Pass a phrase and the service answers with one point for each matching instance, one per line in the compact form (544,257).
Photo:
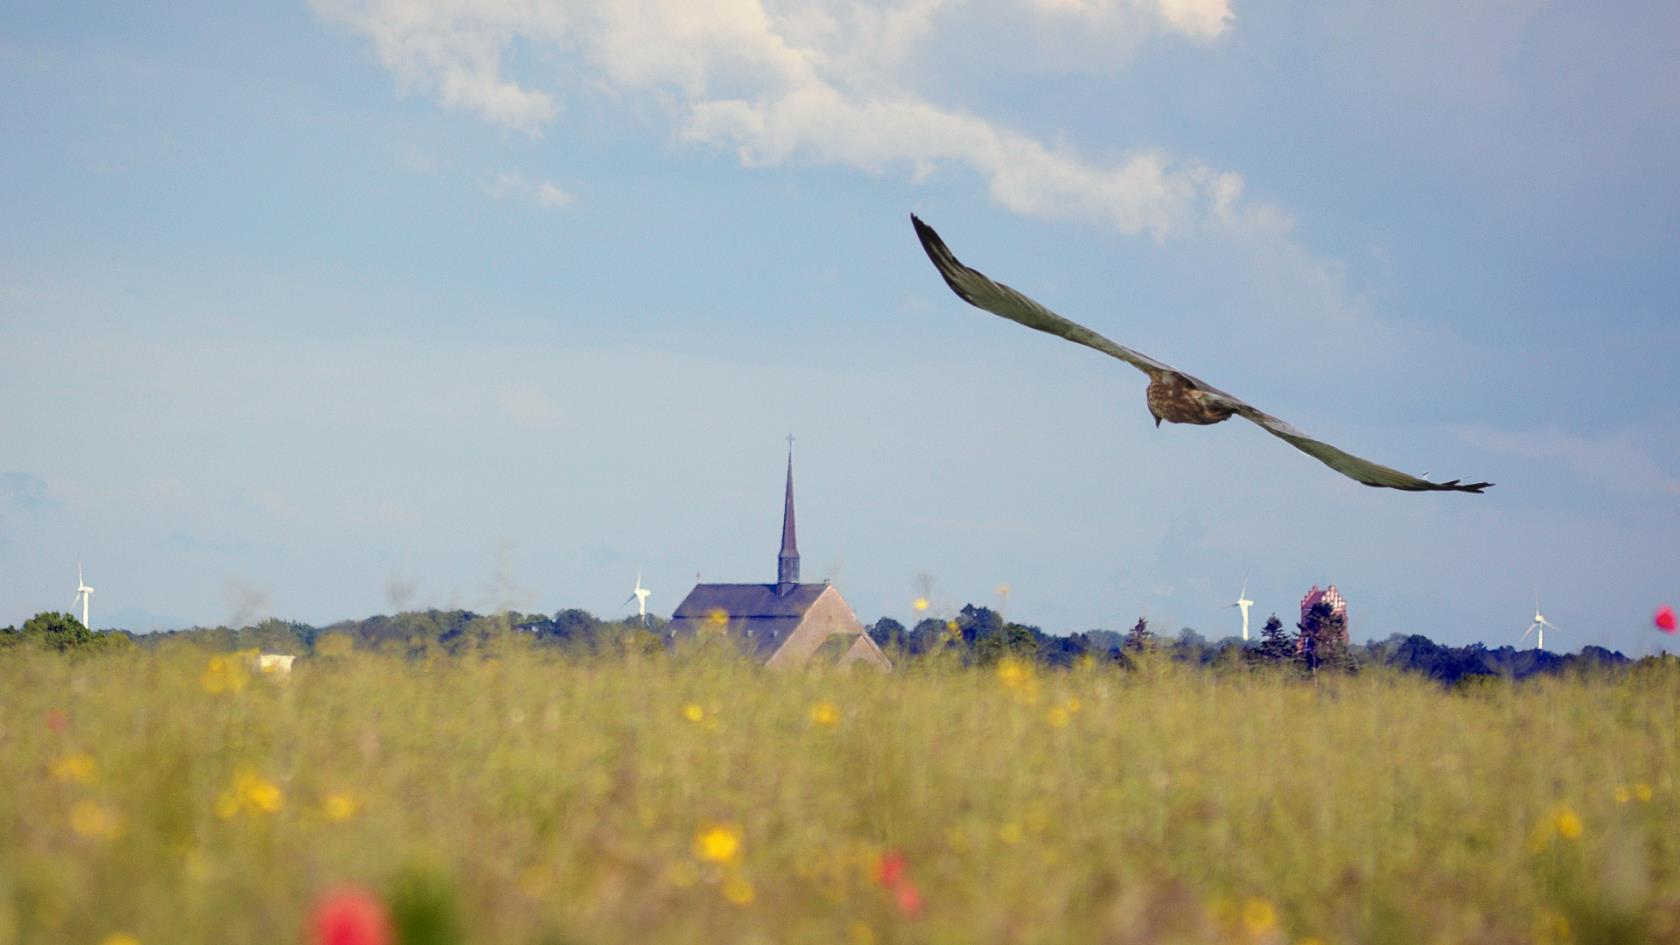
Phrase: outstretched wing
(1349,465)
(976,289)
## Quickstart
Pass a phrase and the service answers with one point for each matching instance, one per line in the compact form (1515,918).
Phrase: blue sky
(320,310)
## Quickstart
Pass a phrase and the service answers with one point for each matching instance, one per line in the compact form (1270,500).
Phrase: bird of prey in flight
(1172,394)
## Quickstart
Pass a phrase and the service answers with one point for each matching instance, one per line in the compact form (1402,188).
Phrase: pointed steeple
(787,562)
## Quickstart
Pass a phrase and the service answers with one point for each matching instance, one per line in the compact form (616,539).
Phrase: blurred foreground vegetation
(516,794)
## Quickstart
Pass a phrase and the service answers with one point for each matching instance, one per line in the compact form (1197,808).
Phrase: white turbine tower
(1538,627)
(640,596)
(84,594)
(1243,602)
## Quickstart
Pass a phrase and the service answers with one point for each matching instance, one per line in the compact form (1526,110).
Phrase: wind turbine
(1538,627)
(640,596)
(84,594)
(1243,602)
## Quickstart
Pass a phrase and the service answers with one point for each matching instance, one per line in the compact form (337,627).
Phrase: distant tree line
(1317,644)
(62,632)
(975,636)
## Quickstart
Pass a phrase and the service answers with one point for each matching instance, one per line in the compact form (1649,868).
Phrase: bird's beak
(1157,423)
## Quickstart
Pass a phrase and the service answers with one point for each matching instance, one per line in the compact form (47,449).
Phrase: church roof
(760,616)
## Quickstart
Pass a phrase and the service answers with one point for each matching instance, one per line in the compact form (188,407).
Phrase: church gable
(829,616)
(867,651)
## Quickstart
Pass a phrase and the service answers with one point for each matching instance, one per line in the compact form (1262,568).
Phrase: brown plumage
(1172,395)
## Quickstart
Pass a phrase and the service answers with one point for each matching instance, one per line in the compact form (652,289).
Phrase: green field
(172,797)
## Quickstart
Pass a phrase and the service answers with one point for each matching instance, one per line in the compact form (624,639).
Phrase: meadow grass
(176,798)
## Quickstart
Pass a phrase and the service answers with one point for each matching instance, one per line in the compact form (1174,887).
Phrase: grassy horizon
(173,796)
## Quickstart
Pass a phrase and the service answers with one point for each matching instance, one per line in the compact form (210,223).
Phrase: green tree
(1012,639)
(1276,645)
(1323,640)
(1140,638)
(64,633)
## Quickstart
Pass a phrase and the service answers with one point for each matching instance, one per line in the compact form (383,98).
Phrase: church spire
(787,562)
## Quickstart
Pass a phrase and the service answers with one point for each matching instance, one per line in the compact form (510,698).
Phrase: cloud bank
(799,81)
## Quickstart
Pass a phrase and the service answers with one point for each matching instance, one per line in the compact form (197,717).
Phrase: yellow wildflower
(1623,795)
(1057,717)
(1010,833)
(119,938)
(693,712)
(718,844)
(224,674)
(1012,673)
(919,605)
(1567,823)
(339,807)
(826,714)
(718,617)
(739,890)
(1643,792)
(1259,916)
(257,793)
(75,768)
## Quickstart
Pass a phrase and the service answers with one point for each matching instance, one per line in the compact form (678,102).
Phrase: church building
(782,624)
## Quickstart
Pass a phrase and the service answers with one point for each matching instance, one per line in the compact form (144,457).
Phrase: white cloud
(789,80)
(1148,191)
(551,196)
(1200,19)
(529,407)
(511,185)
(455,49)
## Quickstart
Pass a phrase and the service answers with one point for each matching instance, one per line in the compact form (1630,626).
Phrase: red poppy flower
(57,720)
(890,869)
(351,917)
(1665,619)
(909,898)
